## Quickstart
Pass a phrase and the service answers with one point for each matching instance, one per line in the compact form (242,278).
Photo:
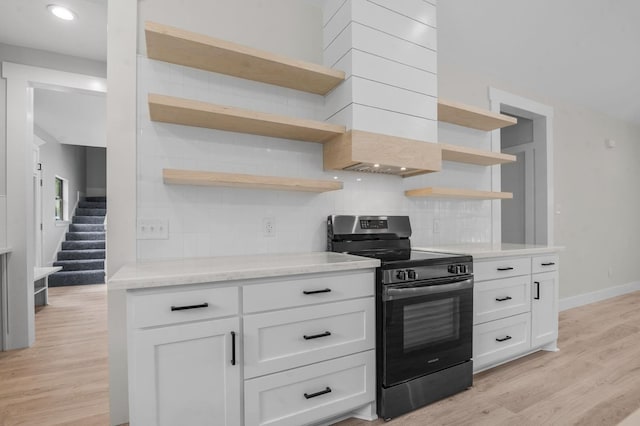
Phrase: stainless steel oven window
(431,323)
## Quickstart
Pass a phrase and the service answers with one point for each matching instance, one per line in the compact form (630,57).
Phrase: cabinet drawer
(148,309)
(302,291)
(544,263)
(310,394)
(501,339)
(501,298)
(501,268)
(290,338)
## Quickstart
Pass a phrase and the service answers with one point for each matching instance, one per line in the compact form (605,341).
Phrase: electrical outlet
(153,229)
(436,226)
(269,226)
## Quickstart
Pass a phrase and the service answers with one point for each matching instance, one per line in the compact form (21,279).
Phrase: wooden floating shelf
(458,193)
(235,180)
(473,117)
(478,157)
(167,109)
(194,50)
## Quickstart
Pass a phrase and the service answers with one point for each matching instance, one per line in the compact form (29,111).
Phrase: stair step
(83,245)
(86,227)
(80,265)
(92,205)
(64,278)
(75,236)
(91,212)
(97,199)
(88,219)
(81,254)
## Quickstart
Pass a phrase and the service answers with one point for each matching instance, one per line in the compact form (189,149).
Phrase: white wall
(96,161)
(68,162)
(597,194)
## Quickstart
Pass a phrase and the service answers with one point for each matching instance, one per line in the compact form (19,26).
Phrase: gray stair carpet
(83,253)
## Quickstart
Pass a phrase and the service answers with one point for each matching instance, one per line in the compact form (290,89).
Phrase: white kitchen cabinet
(515,307)
(186,374)
(544,309)
(194,350)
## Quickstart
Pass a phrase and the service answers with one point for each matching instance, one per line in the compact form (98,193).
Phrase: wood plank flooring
(63,379)
(593,380)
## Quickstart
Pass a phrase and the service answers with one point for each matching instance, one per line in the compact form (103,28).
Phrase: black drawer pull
(504,339)
(326,290)
(537,296)
(508,268)
(182,308)
(315,336)
(548,264)
(313,395)
(498,299)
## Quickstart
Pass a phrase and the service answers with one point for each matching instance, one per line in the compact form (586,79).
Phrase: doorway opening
(528,218)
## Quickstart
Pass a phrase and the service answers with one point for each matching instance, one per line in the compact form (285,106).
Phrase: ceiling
(28,23)
(71,118)
(581,51)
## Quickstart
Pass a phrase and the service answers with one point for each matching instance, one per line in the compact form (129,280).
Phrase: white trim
(498,98)
(20,81)
(43,76)
(598,295)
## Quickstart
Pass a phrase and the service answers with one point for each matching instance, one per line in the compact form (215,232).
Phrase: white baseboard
(597,296)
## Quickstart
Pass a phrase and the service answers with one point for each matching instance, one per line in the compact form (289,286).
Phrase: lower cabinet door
(499,340)
(544,308)
(185,375)
(312,393)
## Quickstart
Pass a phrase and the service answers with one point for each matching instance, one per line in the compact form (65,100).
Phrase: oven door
(427,326)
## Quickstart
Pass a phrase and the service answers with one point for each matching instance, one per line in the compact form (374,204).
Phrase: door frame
(542,114)
(21,81)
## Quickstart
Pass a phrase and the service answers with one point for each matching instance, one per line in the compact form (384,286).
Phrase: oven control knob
(401,275)
(454,269)
(412,274)
(464,269)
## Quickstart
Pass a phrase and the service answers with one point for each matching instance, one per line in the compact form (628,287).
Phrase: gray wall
(68,162)
(96,172)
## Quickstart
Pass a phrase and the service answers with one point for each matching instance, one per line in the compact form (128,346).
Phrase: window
(61,199)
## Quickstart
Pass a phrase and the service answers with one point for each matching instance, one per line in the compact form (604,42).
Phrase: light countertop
(486,250)
(161,273)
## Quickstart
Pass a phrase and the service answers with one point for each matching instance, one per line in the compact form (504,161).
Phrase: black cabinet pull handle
(498,299)
(233,348)
(313,395)
(537,283)
(183,308)
(508,268)
(315,336)
(326,290)
(504,339)
(548,264)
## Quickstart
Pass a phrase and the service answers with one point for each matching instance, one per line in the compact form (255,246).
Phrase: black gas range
(424,312)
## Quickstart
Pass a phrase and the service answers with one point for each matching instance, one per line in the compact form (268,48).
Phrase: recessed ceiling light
(376,165)
(62,12)
(402,169)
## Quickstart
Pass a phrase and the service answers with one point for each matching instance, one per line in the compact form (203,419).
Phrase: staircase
(83,253)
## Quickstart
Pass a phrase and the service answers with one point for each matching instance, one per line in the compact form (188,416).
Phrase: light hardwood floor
(63,378)
(593,380)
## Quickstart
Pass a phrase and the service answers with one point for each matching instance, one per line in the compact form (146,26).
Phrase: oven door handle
(405,292)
